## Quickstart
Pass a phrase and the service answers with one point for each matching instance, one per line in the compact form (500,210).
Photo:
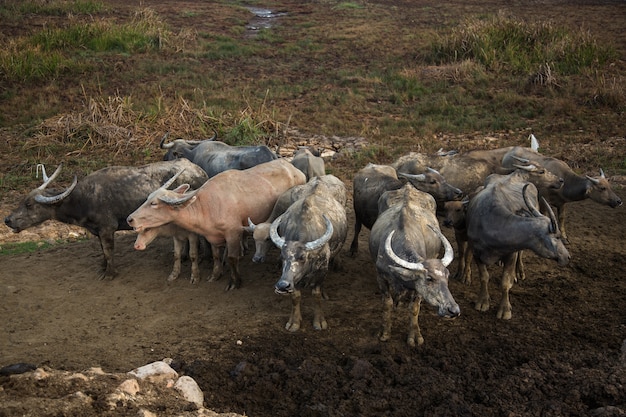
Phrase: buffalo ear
(403,273)
(182,189)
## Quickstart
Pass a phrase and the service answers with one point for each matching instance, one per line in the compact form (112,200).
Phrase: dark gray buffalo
(214,156)
(261,232)
(502,220)
(373,180)
(312,165)
(575,187)
(102,200)
(455,212)
(310,234)
(404,243)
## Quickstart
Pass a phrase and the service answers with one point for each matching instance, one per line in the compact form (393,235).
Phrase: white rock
(130,386)
(190,390)
(155,371)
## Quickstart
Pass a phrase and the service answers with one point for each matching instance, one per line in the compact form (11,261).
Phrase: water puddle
(262,19)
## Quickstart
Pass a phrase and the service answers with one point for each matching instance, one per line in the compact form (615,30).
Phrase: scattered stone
(130,387)
(190,390)
(155,371)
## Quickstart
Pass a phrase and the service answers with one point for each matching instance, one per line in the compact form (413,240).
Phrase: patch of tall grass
(51,51)
(506,44)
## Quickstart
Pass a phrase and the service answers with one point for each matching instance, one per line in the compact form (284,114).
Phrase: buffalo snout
(616,203)
(283,287)
(450,311)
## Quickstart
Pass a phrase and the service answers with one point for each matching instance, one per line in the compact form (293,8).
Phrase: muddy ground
(562,354)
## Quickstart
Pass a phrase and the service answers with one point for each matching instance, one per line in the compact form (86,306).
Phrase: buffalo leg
(482,304)
(108,248)
(235,250)
(519,267)
(218,268)
(415,335)
(295,319)
(464,269)
(179,246)
(319,322)
(508,277)
(235,278)
(193,256)
(385,334)
(354,246)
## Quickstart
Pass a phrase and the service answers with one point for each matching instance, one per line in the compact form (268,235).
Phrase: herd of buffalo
(500,202)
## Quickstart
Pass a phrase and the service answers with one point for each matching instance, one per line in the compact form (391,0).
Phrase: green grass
(504,44)
(25,247)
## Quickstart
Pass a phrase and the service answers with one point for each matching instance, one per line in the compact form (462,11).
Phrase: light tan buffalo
(219,210)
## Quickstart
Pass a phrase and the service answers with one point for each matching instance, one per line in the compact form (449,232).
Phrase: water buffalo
(456,213)
(261,232)
(101,201)
(404,244)
(466,171)
(575,187)
(311,165)
(214,156)
(373,180)
(310,234)
(219,210)
(502,219)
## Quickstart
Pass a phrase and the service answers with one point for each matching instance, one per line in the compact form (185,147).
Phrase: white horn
(318,243)
(413,266)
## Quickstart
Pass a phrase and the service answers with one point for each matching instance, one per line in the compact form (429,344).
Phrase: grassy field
(92,83)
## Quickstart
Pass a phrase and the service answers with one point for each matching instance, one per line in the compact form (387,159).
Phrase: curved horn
(529,168)
(529,204)
(321,241)
(416,177)
(171,180)
(214,135)
(448,254)
(522,160)
(554,225)
(278,241)
(172,201)
(434,171)
(413,266)
(56,198)
(46,180)
(593,180)
(164,145)
(602,173)
(251,225)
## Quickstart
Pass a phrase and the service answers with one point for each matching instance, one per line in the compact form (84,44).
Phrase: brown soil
(563,353)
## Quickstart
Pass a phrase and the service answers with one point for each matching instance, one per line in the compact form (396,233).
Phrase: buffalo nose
(7,221)
(129,220)
(282,287)
(257,259)
(453,311)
